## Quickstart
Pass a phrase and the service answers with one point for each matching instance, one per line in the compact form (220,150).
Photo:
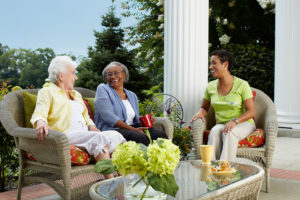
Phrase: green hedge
(255,64)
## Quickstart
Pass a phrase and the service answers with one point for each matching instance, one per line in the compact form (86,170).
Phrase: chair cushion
(29,106)
(78,156)
(91,104)
(89,109)
(255,139)
(30,102)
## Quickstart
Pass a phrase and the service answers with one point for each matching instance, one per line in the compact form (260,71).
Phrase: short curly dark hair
(224,56)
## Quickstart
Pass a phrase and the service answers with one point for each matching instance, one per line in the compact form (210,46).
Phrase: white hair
(58,65)
(113,64)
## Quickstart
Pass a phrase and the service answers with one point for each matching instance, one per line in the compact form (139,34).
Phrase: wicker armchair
(52,165)
(265,118)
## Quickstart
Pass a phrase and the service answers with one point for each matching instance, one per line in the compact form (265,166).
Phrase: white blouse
(78,123)
(130,112)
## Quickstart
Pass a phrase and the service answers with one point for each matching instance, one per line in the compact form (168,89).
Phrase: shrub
(8,153)
(255,64)
(182,137)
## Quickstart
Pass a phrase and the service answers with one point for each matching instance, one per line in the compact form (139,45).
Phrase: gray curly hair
(112,64)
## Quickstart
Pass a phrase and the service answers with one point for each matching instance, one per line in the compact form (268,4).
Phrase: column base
(289,130)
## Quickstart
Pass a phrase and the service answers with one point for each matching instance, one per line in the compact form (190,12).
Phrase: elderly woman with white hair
(61,108)
(116,108)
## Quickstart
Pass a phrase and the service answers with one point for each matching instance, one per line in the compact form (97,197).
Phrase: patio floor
(285,177)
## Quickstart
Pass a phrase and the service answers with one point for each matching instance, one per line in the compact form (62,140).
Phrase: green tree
(109,47)
(243,21)
(11,65)
(147,35)
(35,71)
(25,67)
(3,49)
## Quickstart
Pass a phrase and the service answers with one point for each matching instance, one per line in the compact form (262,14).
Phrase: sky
(66,26)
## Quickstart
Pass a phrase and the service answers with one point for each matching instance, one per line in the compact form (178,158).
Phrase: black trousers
(130,135)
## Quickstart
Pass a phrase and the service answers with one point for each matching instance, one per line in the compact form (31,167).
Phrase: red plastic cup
(146,121)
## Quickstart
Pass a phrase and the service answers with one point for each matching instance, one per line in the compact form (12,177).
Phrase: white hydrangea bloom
(160,3)
(264,3)
(224,39)
(225,21)
(149,54)
(138,55)
(218,19)
(160,18)
(161,26)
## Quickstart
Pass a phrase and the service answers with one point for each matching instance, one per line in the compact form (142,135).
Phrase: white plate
(224,173)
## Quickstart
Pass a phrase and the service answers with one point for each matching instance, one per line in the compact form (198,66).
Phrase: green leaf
(104,166)
(148,134)
(165,184)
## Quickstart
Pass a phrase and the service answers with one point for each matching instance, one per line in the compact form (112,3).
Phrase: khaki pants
(225,145)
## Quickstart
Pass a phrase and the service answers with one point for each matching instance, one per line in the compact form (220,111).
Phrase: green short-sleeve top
(229,106)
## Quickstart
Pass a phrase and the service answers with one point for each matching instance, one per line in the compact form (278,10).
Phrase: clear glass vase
(136,192)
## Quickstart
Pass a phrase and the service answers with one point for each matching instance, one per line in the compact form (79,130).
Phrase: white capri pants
(94,142)
(225,145)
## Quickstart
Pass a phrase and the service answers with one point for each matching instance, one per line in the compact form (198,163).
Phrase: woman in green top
(232,100)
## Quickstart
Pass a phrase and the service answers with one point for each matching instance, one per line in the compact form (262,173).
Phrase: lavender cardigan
(109,107)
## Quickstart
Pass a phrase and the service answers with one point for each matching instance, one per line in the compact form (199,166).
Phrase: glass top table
(196,182)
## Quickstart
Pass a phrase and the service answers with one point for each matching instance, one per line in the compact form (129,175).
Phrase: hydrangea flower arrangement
(154,164)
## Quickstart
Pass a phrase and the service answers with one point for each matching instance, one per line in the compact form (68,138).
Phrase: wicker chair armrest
(271,130)
(54,149)
(30,133)
(198,128)
(166,124)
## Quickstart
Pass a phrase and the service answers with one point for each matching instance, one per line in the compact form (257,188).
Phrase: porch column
(287,64)
(186,52)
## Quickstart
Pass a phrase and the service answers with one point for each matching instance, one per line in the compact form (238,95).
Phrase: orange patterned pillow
(255,139)
(78,156)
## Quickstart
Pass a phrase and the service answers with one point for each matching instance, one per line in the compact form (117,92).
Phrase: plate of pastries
(223,169)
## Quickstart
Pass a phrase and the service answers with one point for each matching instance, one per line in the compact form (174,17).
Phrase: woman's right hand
(141,130)
(197,116)
(202,112)
(41,129)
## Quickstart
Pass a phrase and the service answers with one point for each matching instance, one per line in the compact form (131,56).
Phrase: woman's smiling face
(216,67)
(115,76)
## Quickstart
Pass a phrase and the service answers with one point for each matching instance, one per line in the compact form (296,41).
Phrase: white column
(287,63)
(186,52)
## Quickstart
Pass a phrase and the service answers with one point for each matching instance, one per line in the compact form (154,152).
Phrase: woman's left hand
(229,126)
(152,118)
(93,128)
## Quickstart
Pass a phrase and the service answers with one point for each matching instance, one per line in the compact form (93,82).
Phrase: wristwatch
(235,120)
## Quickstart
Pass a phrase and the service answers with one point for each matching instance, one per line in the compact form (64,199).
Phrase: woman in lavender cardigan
(116,108)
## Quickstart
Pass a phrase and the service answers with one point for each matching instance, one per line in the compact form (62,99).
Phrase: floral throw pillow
(78,156)
(255,139)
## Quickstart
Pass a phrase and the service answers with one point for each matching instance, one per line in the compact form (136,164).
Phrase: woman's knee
(156,133)
(139,138)
(216,131)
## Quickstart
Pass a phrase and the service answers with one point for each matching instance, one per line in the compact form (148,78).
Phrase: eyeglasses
(110,74)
